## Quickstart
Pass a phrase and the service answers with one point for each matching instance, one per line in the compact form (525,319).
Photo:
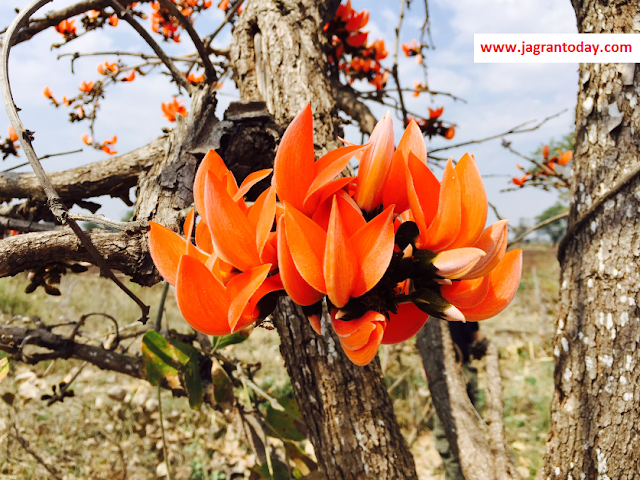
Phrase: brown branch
(449,396)
(230,13)
(494,414)
(55,203)
(538,226)
(347,101)
(111,176)
(177,75)
(125,253)
(195,38)
(394,69)
(41,158)
(26,225)
(517,129)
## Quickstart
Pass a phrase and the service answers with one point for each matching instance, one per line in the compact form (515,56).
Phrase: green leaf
(4,368)
(287,424)
(280,471)
(166,358)
(226,340)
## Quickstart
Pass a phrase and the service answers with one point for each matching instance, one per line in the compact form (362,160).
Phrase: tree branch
(111,176)
(347,101)
(125,253)
(537,227)
(26,225)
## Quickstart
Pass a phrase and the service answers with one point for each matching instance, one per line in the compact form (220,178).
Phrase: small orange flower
(131,77)
(66,28)
(113,20)
(436,113)
(87,139)
(105,145)
(545,152)
(411,49)
(65,101)
(86,87)
(107,150)
(451,131)
(520,181)
(193,79)
(47,93)
(107,68)
(224,5)
(93,15)
(564,157)
(12,134)
(207,4)
(173,108)
(380,49)
(357,40)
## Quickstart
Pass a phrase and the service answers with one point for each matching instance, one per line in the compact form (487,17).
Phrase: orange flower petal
(404,324)
(375,165)
(296,287)
(316,323)
(271,284)
(294,163)
(474,203)
(241,288)
(373,245)
(166,247)
(306,242)
(456,263)
(340,267)
(395,190)
(493,242)
(330,165)
(360,337)
(423,191)
(203,237)
(504,281)
(350,213)
(250,181)
(233,235)
(202,299)
(210,163)
(366,354)
(466,293)
(446,225)
(261,216)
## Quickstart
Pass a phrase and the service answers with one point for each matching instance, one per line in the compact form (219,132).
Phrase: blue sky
(498,96)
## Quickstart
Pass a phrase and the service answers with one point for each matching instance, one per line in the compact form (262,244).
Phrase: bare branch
(111,176)
(538,227)
(125,253)
(517,129)
(179,78)
(197,41)
(26,225)
(55,203)
(15,167)
(347,100)
(230,13)
(394,69)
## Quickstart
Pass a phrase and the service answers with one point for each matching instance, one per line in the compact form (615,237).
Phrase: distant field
(112,422)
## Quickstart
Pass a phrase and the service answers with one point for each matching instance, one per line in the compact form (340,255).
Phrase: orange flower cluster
(386,249)
(10,145)
(195,79)
(104,146)
(544,173)
(350,52)
(67,29)
(108,68)
(433,125)
(169,26)
(173,108)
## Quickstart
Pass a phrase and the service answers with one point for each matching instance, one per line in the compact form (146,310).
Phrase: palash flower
(387,249)
(66,28)
(86,87)
(173,108)
(217,297)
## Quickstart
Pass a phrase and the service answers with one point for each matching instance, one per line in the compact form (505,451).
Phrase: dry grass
(112,421)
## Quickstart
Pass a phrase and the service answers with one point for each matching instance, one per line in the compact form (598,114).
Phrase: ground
(110,428)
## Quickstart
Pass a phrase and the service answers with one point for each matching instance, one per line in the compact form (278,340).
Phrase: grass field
(110,428)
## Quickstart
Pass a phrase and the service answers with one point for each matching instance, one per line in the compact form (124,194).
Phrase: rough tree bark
(481,451)
(595,413)
(277,56)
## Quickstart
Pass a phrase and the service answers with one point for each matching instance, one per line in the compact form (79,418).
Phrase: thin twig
(210,72)
(164,440)
(541,166)
(538,227)
(131,227)
(230,13)
(25,445)
(55,203)
(495,210)
(517,129)
(26,225)
(163,298)
(42,158)
(179,78)
(394,69)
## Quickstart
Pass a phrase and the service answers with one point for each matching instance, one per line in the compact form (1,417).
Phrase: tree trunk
(595,413)
(277,56)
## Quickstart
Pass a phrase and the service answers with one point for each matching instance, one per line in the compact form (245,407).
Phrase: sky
(497,96)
